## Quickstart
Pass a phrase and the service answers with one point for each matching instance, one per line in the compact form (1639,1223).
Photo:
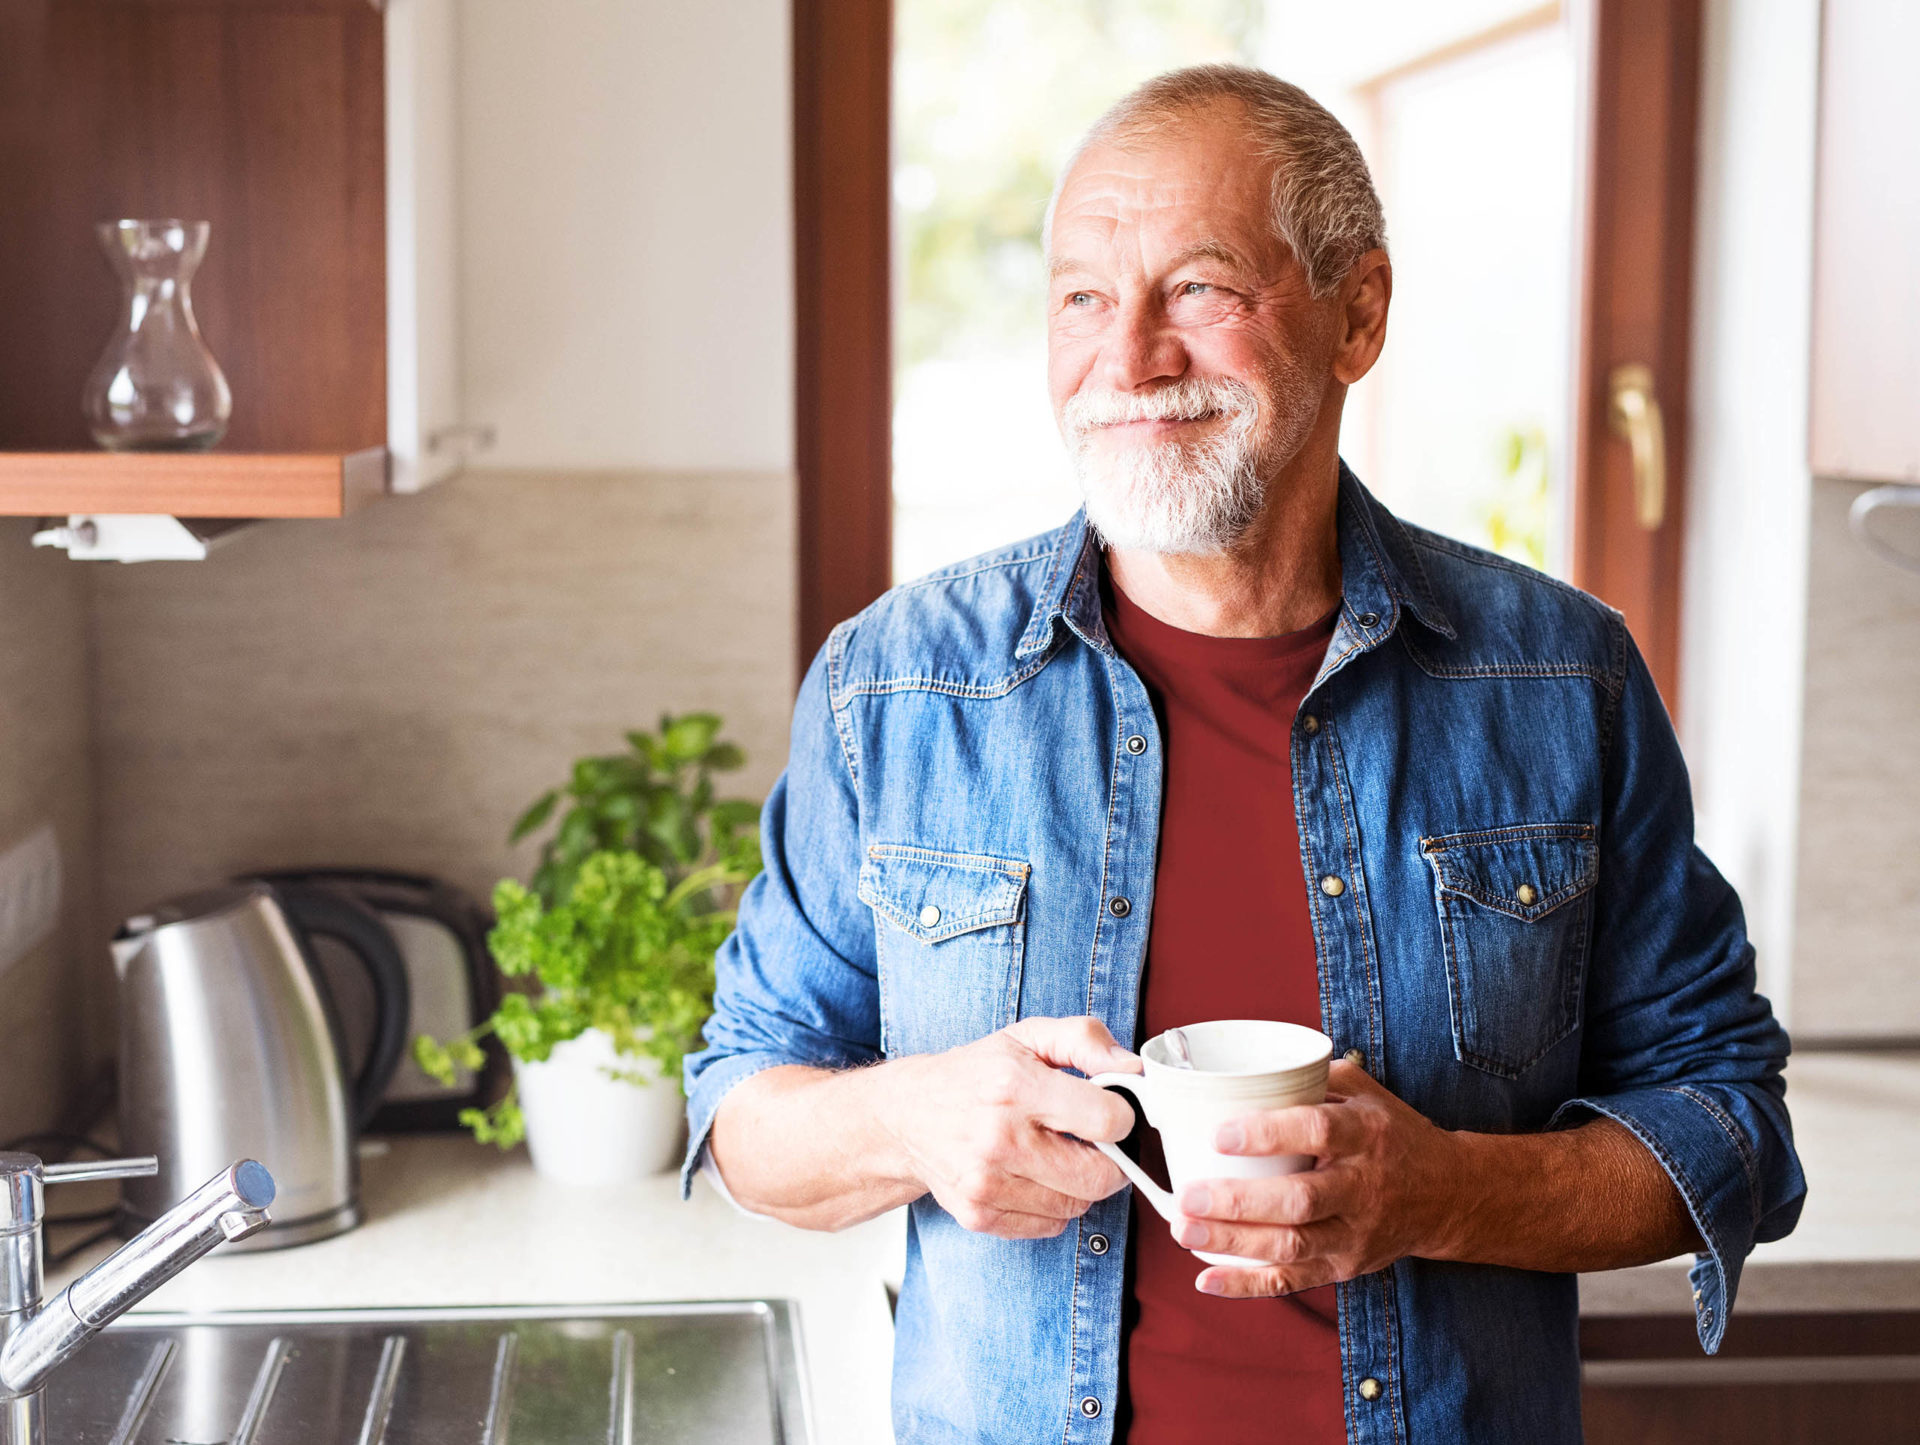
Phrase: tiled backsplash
(394,688)
(1857,935)
(55,1012)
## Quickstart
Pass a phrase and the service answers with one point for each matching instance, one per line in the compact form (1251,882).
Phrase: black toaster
(441,931)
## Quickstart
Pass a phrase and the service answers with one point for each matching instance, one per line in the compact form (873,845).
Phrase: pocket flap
(1525,871)
(935,895)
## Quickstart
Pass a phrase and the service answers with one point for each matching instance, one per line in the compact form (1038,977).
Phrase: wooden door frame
(1635,300)
(1636,292)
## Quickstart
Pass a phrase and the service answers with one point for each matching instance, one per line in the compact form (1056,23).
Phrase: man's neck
(1284,575)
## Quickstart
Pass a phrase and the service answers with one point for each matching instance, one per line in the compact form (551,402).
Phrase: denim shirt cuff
(1711,1163)
(715,1082)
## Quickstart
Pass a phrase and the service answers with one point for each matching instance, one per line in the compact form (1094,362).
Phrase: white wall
(626,201)
(1743,624)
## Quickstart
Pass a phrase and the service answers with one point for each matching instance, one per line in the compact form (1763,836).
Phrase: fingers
(1317,1130)
(1030,1172)
(1304,1246)
(1265,1283)
(1073,1106)
(1005,1163)
(1033,1193)
(1346,1080)
(1070,1167)
(1010,1224)
(1077,1043)
(1303,1198)
(1005,1077)
(987,1193)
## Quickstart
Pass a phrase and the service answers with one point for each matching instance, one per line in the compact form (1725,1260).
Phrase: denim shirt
(1522,936)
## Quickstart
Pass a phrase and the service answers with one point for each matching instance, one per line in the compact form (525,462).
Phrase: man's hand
(1388,1183)
(984,1127)
(1380,1188)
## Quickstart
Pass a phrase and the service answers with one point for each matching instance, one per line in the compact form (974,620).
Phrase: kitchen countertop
(450,1222)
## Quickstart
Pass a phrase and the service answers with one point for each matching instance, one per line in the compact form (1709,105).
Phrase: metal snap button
(929,916)
(1309,724)
(1527,895)
(1356,1056)
(1368,619)
(1331,886)
(1099,1243)
(1120,908)
(1136,745)
(1370,1388)
(1090,1407)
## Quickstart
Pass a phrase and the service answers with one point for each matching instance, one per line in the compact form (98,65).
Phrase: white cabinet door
(1866,284)
(427,434)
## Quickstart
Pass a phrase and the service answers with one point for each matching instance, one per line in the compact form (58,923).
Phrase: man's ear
(1364,297)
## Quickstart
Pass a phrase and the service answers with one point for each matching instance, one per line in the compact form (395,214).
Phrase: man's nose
(1142,348)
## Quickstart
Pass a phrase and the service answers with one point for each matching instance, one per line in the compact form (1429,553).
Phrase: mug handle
(1161,1199)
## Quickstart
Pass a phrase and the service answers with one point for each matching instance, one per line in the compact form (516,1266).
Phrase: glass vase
(156,387)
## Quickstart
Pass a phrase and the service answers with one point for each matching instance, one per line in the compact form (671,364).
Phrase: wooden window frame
(843,221)
(1635,294)
(1636,306)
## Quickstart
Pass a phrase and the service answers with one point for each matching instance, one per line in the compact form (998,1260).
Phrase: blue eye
(1194,288)
(1077,297)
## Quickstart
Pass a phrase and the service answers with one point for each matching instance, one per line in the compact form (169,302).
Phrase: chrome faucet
(36,1339)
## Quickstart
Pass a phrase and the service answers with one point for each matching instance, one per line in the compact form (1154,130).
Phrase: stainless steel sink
(726,1373)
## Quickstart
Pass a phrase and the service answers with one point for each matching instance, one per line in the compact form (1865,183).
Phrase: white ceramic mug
(1240,1066)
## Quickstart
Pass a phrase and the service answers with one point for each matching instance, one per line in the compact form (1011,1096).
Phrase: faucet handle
(138,1167)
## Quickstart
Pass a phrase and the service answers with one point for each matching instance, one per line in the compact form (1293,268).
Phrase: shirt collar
(1380,571)
(1071,590)
(1380,574)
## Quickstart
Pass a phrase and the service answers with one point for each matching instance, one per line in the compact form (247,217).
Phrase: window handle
(1634,414)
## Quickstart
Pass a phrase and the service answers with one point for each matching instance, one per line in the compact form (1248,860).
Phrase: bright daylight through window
(1466,112)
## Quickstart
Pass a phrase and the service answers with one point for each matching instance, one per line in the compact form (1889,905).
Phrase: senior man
(1235,743)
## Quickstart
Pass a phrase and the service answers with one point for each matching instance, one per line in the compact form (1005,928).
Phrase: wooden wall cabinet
(317,138)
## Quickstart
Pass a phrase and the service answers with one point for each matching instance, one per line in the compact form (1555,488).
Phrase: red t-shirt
(1230,938)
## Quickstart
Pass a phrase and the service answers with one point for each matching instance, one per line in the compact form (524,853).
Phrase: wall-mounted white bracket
(104,538)
(1904,495)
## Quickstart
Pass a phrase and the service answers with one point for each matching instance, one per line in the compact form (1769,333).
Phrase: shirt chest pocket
(951,932)
(1515,917)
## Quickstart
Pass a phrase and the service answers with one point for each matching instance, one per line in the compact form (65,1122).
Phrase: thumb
(1082,1043)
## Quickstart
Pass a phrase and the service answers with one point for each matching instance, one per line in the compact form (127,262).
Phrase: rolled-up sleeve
(796,982)
(1679,1047)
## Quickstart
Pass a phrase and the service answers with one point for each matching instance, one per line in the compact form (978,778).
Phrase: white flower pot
(584,1127)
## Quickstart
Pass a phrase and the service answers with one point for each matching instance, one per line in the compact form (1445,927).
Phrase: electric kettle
(230,1048)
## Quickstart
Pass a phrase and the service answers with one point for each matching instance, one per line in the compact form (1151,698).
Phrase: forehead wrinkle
(1210,248)
(1110,206)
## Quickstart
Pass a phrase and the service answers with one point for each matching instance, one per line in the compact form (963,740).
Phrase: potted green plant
(609,950)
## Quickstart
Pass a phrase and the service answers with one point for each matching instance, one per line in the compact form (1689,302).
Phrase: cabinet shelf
(191,484)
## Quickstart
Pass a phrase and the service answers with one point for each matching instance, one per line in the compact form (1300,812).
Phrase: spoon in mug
(1177,1047)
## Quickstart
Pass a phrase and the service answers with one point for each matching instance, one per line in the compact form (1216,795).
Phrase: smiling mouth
(1157,421)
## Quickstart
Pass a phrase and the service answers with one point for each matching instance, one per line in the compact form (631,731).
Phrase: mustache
(1189,399)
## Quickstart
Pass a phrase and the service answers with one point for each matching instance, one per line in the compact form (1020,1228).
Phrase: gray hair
(1324,204)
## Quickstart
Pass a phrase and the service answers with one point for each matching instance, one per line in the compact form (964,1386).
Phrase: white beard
(1185,497)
